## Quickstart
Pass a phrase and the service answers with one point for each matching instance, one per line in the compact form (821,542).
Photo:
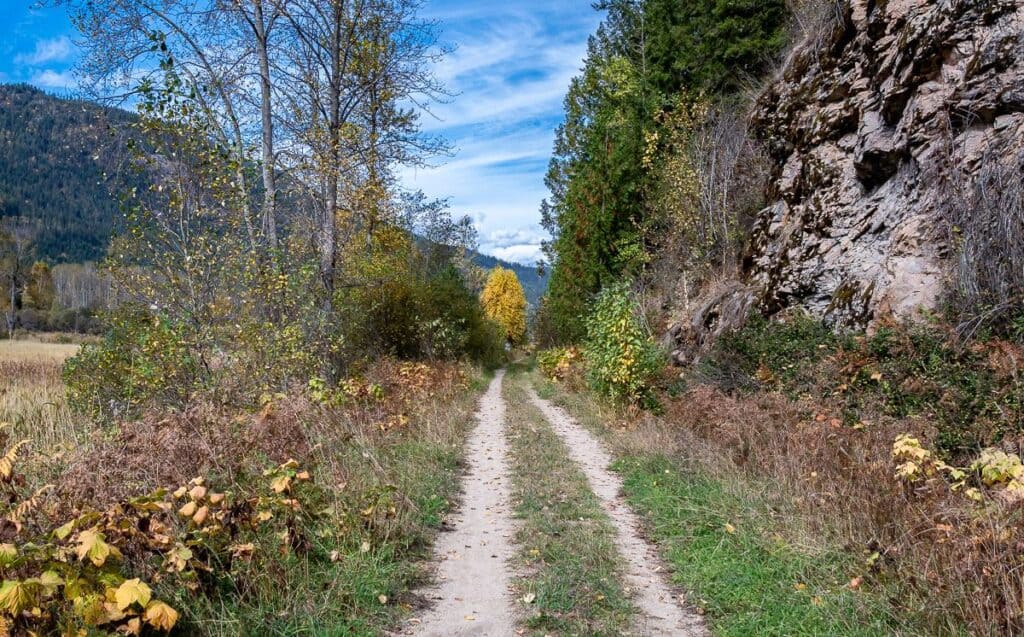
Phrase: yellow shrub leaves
(160,616)
(995,469)
(8,460)
(132,591)
(84,580)
(91,546)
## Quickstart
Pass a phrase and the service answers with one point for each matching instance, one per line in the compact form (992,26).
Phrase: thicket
(902,447)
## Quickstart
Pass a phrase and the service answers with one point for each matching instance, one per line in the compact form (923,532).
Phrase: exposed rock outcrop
(869,129)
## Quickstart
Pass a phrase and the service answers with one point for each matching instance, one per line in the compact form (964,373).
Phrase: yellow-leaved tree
(505,303)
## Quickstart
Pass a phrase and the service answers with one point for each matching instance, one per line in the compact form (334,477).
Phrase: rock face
(870,130)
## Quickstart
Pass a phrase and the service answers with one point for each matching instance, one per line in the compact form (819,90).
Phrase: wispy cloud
(53,79)
(510,71)
(57,49)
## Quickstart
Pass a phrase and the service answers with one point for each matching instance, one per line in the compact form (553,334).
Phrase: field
(32,399)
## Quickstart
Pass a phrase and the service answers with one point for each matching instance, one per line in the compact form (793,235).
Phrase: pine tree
(642,57)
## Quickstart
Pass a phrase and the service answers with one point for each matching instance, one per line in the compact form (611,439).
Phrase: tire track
(663,612)
(473,595)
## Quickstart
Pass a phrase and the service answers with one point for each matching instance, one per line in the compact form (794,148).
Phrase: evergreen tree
(641,58)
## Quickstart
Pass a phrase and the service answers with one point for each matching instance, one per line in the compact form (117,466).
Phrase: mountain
(57,157)
(62,162)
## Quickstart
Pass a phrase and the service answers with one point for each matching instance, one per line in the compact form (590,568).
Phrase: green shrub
(968,390)
(621,357)
(143,358)
(787,350)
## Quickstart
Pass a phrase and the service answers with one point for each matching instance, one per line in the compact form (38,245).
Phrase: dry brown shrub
(955,562)
(164,448)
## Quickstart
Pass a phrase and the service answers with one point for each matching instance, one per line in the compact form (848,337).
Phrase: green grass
(336,587)
(747,579)
(567,543)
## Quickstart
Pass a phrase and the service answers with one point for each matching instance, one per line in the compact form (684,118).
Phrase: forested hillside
(64,166)
(61,164)
(620,177)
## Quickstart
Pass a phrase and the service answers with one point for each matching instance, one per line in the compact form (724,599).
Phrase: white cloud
(53,79)
(510,238)
(528,254)
(54,50)
(510,72)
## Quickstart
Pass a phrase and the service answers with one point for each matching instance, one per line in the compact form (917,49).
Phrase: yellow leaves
(63,531)
(201,515)
(8,553)
(280,484)
(16,596)
(730,529)
(133,591)
(177,558)
(504,302)
(160,616)
(92,546)
(995,468)
(8,460)
(17,513)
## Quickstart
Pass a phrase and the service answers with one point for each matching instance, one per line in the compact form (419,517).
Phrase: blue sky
(509,73)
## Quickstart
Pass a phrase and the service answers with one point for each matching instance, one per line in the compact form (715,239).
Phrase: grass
(358,579)
(568,544)
(33,401)
(753,559)
(384,498)
(748,580)
(34,351)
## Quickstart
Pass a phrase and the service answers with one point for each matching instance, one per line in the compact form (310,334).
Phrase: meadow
(32,396)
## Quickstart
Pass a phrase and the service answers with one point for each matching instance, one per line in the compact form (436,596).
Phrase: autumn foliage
(505,303)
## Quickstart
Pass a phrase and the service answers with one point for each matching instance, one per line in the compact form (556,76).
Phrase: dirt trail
(472,594)
(662,611)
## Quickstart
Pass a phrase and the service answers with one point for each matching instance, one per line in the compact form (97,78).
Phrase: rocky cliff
(870,129)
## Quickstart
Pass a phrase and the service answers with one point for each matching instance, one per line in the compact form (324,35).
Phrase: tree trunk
(269,176)
(328,248)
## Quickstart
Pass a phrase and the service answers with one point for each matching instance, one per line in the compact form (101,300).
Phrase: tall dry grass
(32,397)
